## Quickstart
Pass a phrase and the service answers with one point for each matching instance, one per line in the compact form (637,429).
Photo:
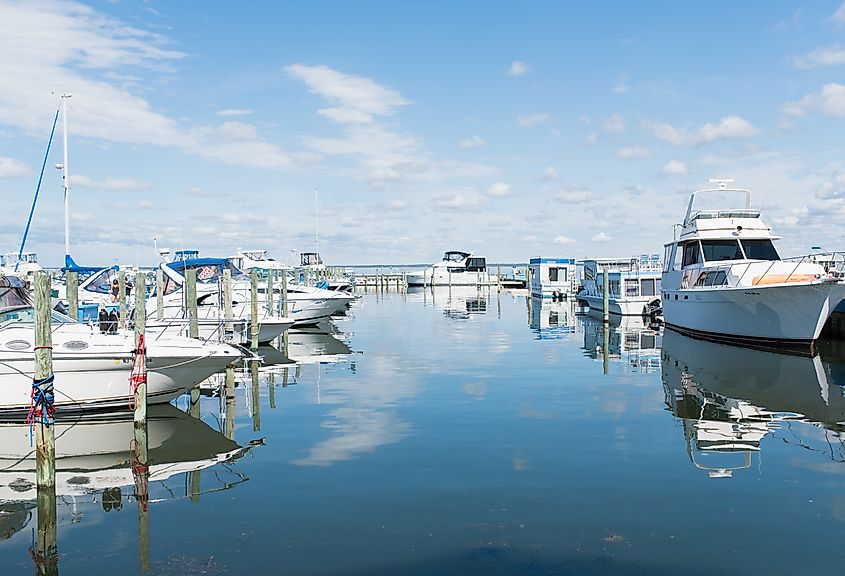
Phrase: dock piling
(253,325)
(72,293)
(159,294)
(228,329)
(191,296)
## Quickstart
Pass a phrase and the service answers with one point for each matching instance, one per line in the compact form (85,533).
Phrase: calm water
(471,434)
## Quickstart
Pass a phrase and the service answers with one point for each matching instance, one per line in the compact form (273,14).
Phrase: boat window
(632,287)
(101,282)
(692,253)
(476,265)
(717,250)
(760,250)
(647,287)
(702,279)
(613,288)
(12,296)
(667,257)
(590,271)
(553,274)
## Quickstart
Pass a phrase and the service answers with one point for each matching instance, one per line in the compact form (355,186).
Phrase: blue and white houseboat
(555,278)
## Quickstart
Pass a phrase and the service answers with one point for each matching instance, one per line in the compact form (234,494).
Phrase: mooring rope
(138,375)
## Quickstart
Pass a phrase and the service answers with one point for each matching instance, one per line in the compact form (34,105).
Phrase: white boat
(554,278)
(246,260)
(632,284)
(723,279)
(92,368)
(456,269)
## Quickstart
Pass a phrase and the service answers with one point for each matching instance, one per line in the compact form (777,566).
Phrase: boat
(633,284)
(723,279)
(456,269)
(554,278)
(727,413)
(92,367)
(247,260)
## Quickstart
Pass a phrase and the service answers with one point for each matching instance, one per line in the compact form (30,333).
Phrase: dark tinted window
(692,255)
(715,250)
(760,250)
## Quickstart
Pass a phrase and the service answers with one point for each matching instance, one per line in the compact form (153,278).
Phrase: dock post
(191,296)
(42,416)
(256,399)
(605,350)
(605,303)
(227,304)
(140,385)
(450,278)
(72,293)
(159,294)
(271,385)
(121,278)
(498,278)
(253,325)
(270,274)
(285,294)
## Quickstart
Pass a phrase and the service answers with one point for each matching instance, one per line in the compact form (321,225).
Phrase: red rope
(138,375)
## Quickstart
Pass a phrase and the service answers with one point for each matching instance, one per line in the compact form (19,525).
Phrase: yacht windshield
(760,250)
(27,314)
(716,250)
(12,296)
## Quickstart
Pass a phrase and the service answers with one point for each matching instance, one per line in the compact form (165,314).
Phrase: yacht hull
(788,315)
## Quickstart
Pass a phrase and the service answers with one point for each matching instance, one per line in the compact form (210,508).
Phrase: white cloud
(727,128)
(550,173)
(397,205)
(602,237)
(357,97)
(517,69)
(573,195)
(234,112)
(499,190)
(11,168)
(473,142)
(615,123)
(621,86)
(633,152)
(82,181)
(536,119)
(563,240)
(838,17)
(464,200)
(821,56)
(830,101)
(674,167)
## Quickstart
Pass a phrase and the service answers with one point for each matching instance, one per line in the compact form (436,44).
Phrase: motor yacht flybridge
(723,279)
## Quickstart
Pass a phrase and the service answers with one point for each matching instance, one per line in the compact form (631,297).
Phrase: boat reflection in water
(95,456)
(459,302)
(318,344)
(630,341)
(729,399)
(550,319)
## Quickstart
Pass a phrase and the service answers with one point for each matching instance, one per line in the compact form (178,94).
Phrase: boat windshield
(716,250)
(760,250)
(455,256)
(26,314)
(12,295)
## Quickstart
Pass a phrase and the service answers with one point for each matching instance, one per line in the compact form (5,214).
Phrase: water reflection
(731,398)
(459,302)
(551,320)
(316,344)
(94,458)
(630,341)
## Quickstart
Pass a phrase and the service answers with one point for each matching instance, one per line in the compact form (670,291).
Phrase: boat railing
(832,262)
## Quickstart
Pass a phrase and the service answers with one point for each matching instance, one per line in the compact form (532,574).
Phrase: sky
(394,131)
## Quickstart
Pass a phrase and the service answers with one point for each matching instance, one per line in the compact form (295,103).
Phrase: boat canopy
(455,256)
(13,293)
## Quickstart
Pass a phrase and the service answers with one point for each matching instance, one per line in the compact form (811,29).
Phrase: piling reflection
(729,399)
(630,342)
(551,320)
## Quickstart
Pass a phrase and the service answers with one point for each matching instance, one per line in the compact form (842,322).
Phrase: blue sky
(509,129)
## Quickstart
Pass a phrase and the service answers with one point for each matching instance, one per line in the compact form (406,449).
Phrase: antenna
(721,182)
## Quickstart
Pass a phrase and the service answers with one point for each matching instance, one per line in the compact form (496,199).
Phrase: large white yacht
(723,279)
(456,269)
(92,368)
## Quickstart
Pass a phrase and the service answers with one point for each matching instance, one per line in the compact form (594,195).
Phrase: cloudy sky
(508,129)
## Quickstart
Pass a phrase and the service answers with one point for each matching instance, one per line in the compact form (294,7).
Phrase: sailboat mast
(66,174)
(316,228)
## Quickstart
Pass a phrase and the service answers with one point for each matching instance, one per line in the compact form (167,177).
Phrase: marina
(341,289)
